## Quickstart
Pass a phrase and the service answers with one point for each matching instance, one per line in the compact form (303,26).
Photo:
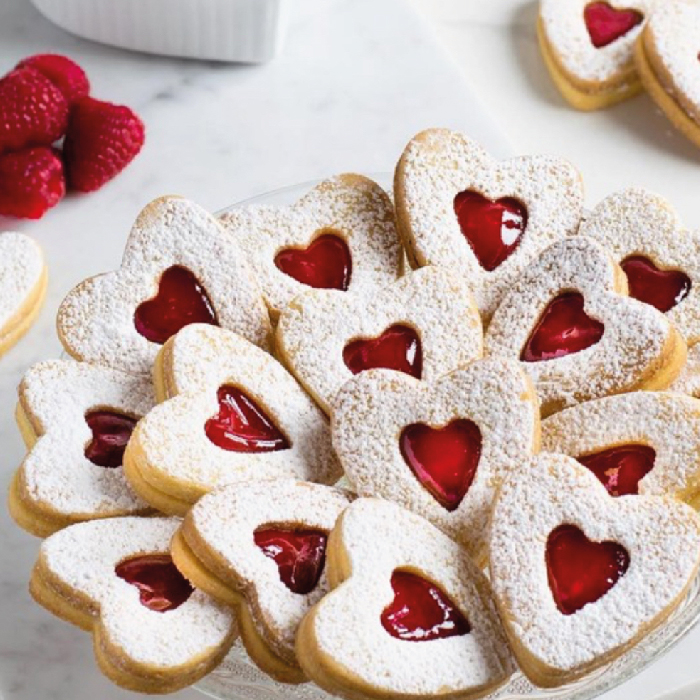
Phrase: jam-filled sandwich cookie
(261,547)
(23,280)
(152,632)
(667,60)
(588,48)
(410,615)
(235,414)
(640,443)
(573,330)
(76,420)
(341,235)
(660,258)
(439,449)
(459,208)
(424,325)
(579,576)
(179,267)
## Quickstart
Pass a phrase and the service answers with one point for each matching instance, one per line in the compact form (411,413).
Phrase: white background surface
(357,79)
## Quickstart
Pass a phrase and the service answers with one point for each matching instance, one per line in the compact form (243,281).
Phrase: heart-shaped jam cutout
(325,264)
(110,435)
(242,425)
(662,289)
(300,555)
(621,468)
(492,228)
(420,611)
(580,571)
(161,586)
(606,24)
(398,348)
(563,329)
(444,460)
(180,300)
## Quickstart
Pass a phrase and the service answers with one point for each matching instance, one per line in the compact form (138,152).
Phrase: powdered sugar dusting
(84,556)
(438,164)
(661,536)
(351,206)
(372,410)
(688,381)
(21,268)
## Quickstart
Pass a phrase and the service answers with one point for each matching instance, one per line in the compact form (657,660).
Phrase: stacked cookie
(274,432)
(600,53)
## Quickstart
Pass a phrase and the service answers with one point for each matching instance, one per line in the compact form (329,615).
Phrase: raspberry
(33,112)
(64,73)
(102,139)
(31,182)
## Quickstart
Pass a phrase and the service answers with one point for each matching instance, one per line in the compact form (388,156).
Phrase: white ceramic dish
(239,679)
(247,31)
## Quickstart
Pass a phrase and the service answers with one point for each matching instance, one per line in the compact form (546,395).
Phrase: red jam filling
(398,348)
(492,228)
(662,289)
(421,612)
(620,469)
(300,555)
(242,425)
(161,586)
(180,300)
(563,329)
(444,460)
(606,24)
(325,264)
(110,434)
(580,571)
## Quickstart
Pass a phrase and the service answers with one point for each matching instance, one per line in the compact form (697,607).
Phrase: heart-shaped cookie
(179,267)
(153,633)
(579,577)
(440,448)
(261,546)
(341,235)
(588,47)
(410,614)
(662,268)
(643,442)
(76,420)
(458,208)
(235,414)
(666,56)
(574,332)
(23,280)
(424,325)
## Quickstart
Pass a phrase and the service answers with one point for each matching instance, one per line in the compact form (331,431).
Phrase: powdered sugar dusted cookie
(579,577)
(488,220)
(410,616)
(152,631)
(576,335)
(236,414)
(23,279)
(261,546)
(441,448)
(424,325)
(660,258)
(666,56)
(76,420)
(179,267)
(643,442)
(588,47)
(688,381)
(341,235)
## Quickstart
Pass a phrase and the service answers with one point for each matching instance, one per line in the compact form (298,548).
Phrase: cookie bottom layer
(22,321)
(599,96)
(680,119)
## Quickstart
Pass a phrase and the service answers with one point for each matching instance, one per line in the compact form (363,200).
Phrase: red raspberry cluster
(43,100)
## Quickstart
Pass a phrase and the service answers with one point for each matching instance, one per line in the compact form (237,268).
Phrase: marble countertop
(356,80)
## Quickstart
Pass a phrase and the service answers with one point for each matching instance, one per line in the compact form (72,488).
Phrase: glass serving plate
(237,678)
